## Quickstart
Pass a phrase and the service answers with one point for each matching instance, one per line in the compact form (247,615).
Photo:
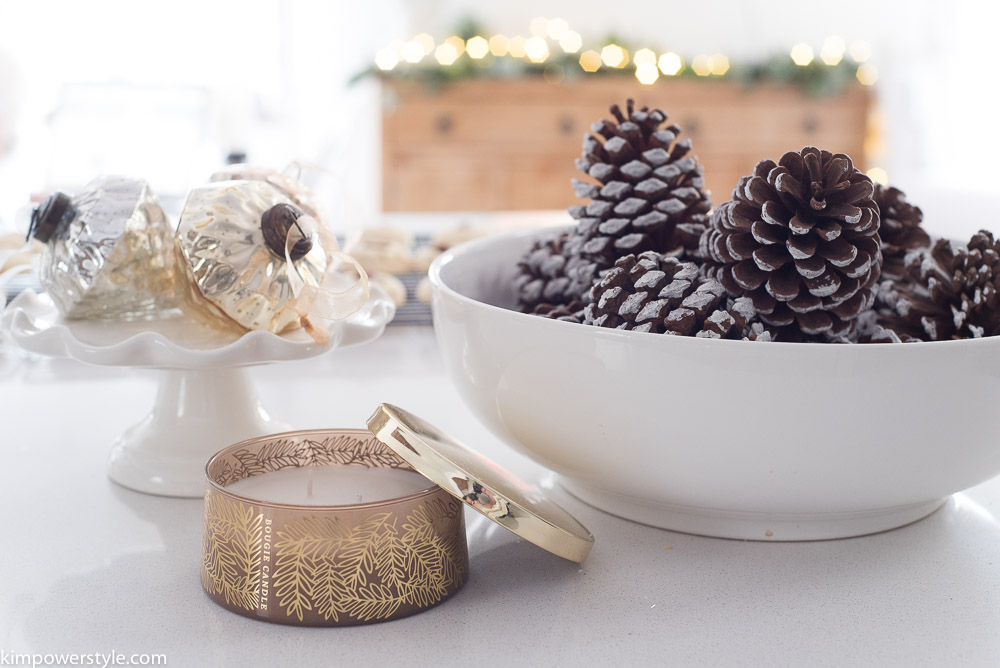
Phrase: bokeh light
(477,47)
(647,73)
(802,54)
(386,59)
(516,46)
(878,175)
(537,49)
(413,51)
(590,61)
(670,63)
(833,50)
(861,51)
(613,55)
(867,74)
(571,42)
(539,26)
(644,57)
(556,29)
(719,64)
(702,65)
(446,53)
(499,45)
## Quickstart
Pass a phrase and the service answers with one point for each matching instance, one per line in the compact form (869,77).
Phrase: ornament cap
(276,224)
(47,217)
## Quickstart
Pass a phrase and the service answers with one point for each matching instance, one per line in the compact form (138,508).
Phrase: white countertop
(89,566)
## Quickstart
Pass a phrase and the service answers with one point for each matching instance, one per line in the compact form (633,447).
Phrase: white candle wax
(330,485)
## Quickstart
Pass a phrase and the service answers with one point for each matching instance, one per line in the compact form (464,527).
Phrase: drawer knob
(444,123)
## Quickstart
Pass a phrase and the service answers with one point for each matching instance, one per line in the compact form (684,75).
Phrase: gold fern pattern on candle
(232,540)
(282,453)
(368,571)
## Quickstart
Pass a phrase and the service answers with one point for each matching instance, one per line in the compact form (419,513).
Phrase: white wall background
(271,77)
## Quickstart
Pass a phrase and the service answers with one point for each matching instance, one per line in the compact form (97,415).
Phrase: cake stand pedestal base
(197,413)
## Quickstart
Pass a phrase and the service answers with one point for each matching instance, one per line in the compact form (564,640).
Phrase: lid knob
(276,223)
(49,215)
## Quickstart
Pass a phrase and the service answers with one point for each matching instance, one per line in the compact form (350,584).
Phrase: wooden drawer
(495,145)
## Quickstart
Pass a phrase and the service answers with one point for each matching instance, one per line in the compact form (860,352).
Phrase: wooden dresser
(510,144)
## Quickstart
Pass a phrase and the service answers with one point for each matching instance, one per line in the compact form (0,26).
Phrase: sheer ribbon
(315,301)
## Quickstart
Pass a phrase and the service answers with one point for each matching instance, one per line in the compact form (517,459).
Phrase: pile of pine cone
(807,249)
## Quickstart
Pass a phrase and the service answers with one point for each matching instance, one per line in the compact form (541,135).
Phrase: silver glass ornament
(108,250)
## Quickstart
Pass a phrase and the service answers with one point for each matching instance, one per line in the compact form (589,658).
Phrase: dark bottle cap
(275,224)
(49,215)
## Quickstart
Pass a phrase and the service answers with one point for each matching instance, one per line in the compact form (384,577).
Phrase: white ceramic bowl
(770,441)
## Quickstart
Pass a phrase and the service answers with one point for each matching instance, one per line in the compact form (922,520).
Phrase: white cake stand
(205,398)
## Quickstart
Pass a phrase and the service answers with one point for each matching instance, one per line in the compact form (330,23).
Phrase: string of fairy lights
(555,48)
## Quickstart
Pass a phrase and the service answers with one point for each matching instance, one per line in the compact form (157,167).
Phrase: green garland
(814,79)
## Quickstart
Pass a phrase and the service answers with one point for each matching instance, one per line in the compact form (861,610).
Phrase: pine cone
(554,273)
(572,312)
(892,304)
(656,293)
(800,239)
(955,292)
(878,326)
(649,194)
(899,229)
(883,334)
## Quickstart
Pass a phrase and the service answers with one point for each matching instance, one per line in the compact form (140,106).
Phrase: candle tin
(368,562)
(327,565)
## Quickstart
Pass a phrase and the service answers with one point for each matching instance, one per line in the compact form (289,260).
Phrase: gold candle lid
(480,483)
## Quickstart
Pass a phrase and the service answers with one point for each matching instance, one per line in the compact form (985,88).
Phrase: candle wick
(309,482)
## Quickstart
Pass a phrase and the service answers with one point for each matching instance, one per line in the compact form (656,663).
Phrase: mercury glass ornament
(108,250)
(248,252)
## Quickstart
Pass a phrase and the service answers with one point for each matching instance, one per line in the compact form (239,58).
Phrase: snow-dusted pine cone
(954,294)
(657,293)
(879,325)
(800,239)
(899,229)
(572,312)
(883,334)
(554,273)
(649,193)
